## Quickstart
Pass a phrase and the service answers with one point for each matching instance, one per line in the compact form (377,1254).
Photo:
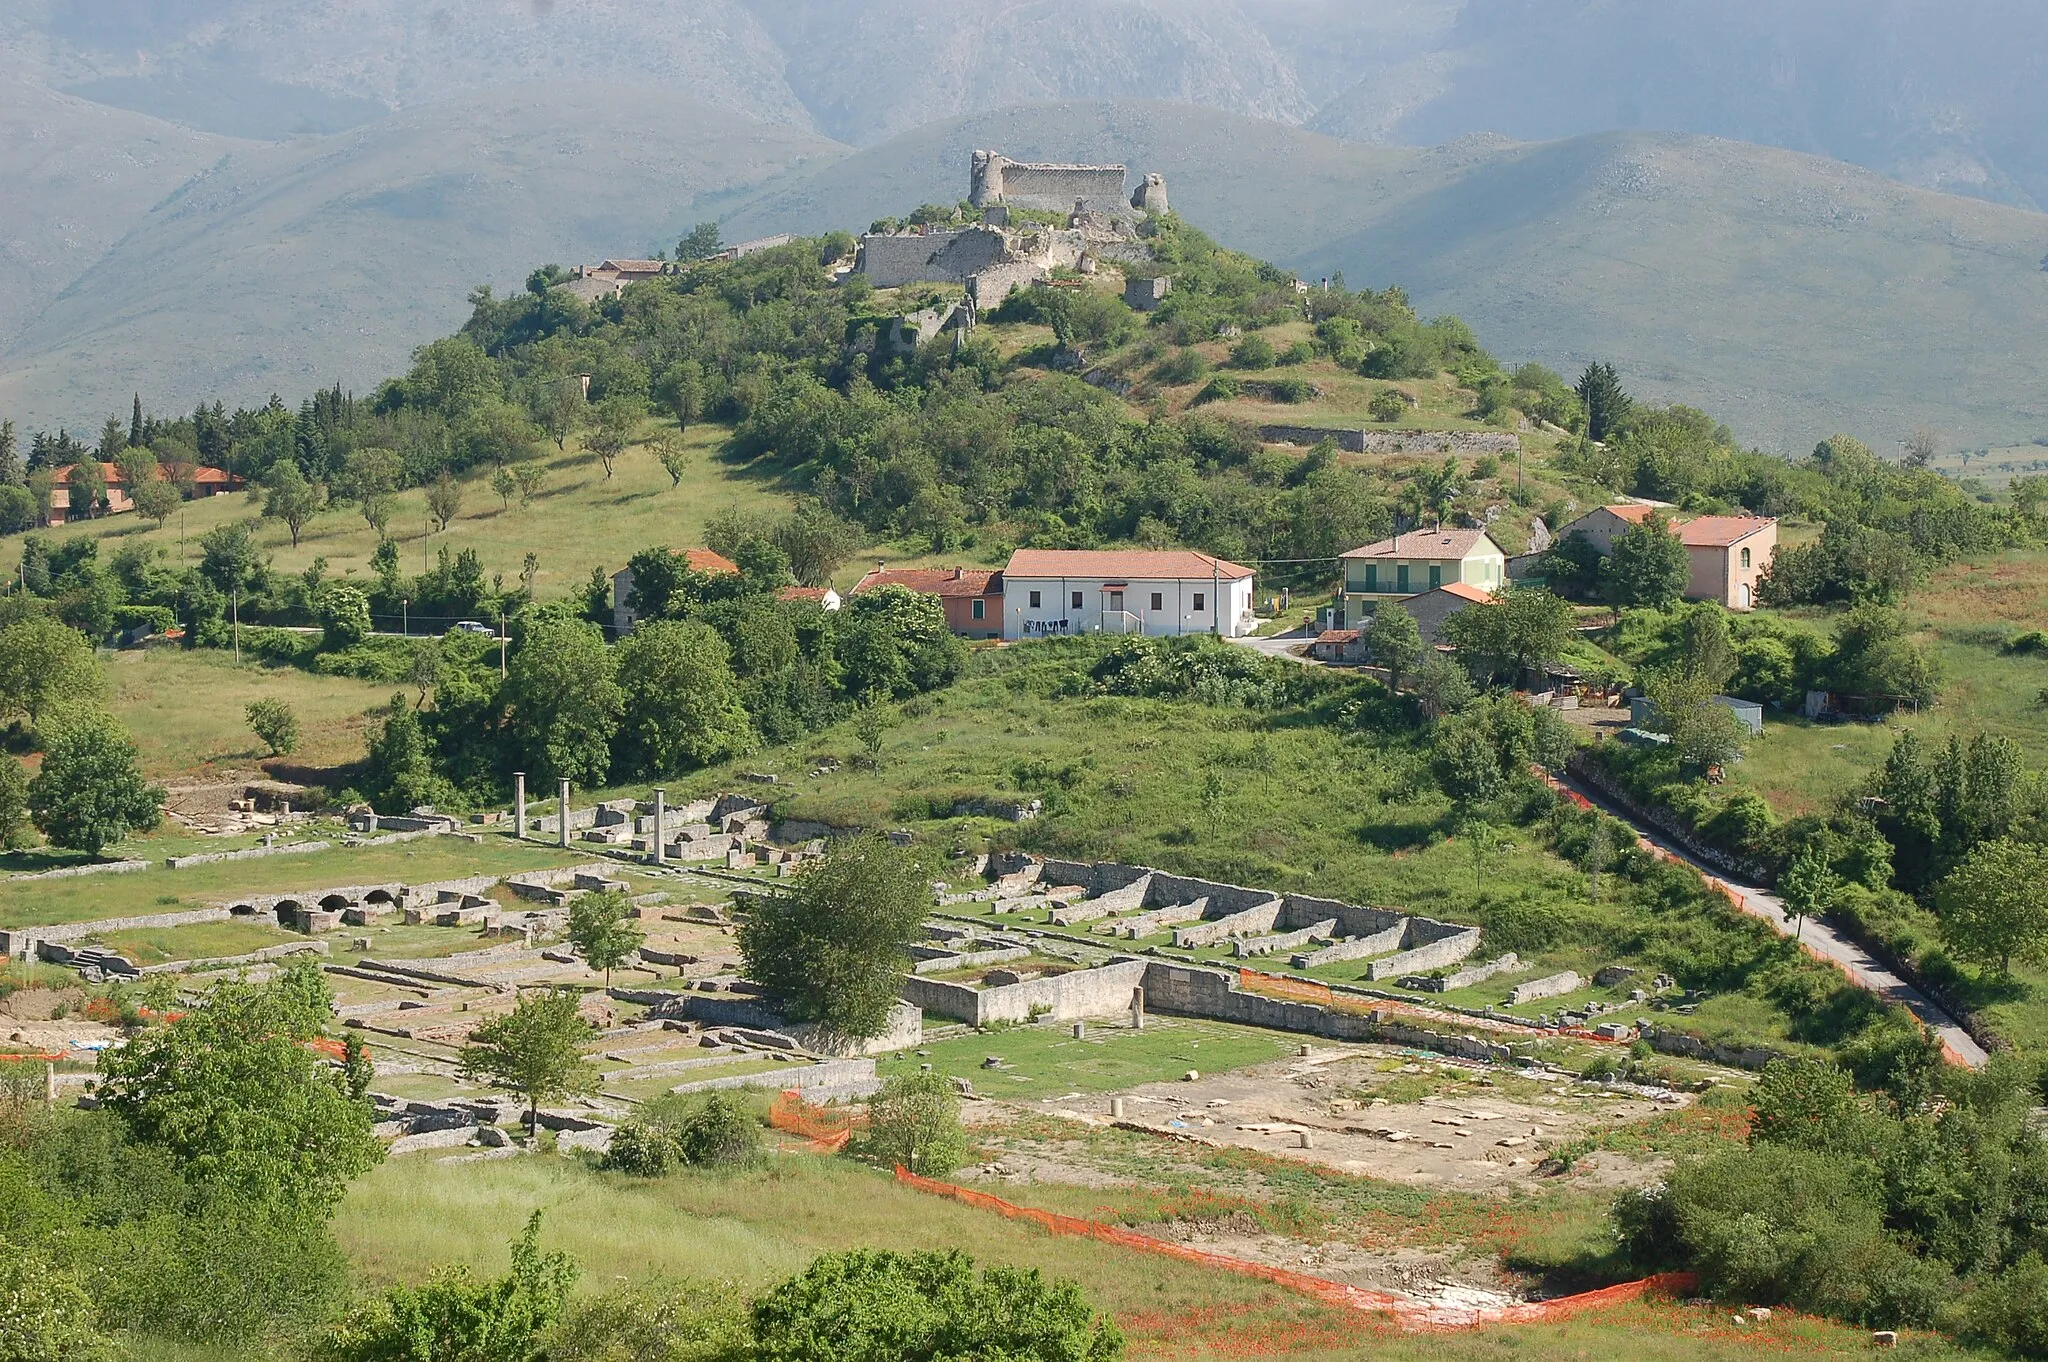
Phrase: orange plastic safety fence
(328,1046)
(1412,1314)
(1294,990)
(50,1057)
(826,1129)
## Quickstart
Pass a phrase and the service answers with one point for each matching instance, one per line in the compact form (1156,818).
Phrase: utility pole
(405,616)
(235,612)
(501,643)
(426,533)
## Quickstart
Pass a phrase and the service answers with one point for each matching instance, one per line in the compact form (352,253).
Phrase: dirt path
(1819,939)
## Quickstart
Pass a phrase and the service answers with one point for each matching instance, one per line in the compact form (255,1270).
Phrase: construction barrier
(1410,1314)
(1321,995)
(827,1129)
(51,1058)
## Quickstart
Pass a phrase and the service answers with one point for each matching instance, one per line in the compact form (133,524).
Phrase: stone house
(972,597)
(1432,608)
(624,617)
(1416,562)
(1145,295)
(1052,592)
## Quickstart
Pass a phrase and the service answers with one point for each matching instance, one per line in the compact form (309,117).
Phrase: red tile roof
(801,593)
(1334,636)
(1633,513)
(712,564)
(1477,594)
(1142,564)
(108,471)
(1720,531)
(954,581)
(1455,545)
(212,477)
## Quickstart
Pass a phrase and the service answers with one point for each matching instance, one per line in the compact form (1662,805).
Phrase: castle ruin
(992,259)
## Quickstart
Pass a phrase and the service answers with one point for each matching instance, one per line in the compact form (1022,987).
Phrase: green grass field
(186,711)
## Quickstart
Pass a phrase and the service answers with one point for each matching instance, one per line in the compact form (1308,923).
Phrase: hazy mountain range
(231,196)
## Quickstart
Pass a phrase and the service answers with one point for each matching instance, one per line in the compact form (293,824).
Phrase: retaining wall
(72,872)
(1445,950)
(1355,948)
(1466,978)
(1100,992)
(1247,923)
(248,854)
(1549,986)
(1396,441)
(18,941)
(840,1077)
(1191,991)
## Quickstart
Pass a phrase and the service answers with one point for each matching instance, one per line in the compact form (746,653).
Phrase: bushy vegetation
(1919,1203)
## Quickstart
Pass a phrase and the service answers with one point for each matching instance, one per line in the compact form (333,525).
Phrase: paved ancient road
(1819,939)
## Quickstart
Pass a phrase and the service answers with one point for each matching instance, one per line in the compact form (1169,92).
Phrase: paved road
(1820,940)
(1281,646)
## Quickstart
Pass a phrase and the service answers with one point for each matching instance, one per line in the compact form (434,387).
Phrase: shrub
(923,1307)
(1301,352)
(459,1319)
(715,1131)
(1388,404)
(1253,352)
(1221,388)
(45,1316)
(658,1322)
(2010,1312)
(274,722)
(2032,642)
(915,1122)
(1181,367)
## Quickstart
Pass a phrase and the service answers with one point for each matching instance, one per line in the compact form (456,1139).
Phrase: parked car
(473,627)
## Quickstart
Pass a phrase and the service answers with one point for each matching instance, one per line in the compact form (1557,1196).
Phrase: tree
(13,803)
(444,499)
(529,476)
(701,243)
(455,1318)
(1994,906)
(232,1093)
(1648,565)
(87,484)
(274,722)
(1704,733)
(1522,628)
(1482,838)
(535,1050)
(562,409)
(344,616)
(835,944)
(926,1307)
(45,1315)
(1442,686)
(1395,641)
(157,499)
(1809,886)
(673,456)
(682,703)
(1388,404)
(1607,406)
(1919,448)
(616,418)
(90,792)
(602,931)
(1707,649)
(11,473)
(292,498)
(894,642)
(681,390)
(370,479)
(870,728)
(564,699)
(44,663)
(713,1131)
(504,485)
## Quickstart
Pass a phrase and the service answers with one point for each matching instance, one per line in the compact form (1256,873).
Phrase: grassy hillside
(1792,296)
(325,260)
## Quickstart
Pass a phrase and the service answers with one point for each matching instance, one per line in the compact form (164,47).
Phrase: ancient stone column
(562,811)
(1138,1009)
(660,833)
(519,804)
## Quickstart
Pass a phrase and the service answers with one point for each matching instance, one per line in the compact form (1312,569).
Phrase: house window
(1372,576)
(980,609)
(1401,579)
(1035,598)
(1077,600)
(1436,575)
(1201,601)
(1158,601)
(1745,557)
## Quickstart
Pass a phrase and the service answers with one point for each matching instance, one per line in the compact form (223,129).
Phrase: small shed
(1750,714)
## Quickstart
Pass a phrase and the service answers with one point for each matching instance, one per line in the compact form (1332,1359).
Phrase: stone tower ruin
(997,180)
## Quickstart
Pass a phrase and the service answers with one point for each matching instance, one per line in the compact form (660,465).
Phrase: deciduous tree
(1648,565)
(1994,906)
(835,944)
(444,499)
(601,929)
(563,695)
(90,792)
(276,724)
(682,703)
(535,1050)
(1395,641)
(293,498)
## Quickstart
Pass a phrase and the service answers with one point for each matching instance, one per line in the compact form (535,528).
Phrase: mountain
(77,175)
(1790,295)
(329,259)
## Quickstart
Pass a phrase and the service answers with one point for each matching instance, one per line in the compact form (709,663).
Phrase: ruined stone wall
(1397,441)
(1190,991)
(1048,188)
(1446,949)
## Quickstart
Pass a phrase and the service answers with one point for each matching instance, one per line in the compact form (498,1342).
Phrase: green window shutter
(1372,576)
(1436,575)
(1401,579)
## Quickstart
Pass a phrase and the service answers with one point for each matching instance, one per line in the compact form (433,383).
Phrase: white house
(1050,592)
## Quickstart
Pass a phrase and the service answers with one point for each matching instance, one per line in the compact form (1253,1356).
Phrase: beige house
(1726,554)
(1419,561)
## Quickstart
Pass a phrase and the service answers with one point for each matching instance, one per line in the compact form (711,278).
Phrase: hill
(1792,296)
(287,267)
(76,175)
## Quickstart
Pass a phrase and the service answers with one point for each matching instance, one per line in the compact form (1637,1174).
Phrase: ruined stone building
(992,259)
